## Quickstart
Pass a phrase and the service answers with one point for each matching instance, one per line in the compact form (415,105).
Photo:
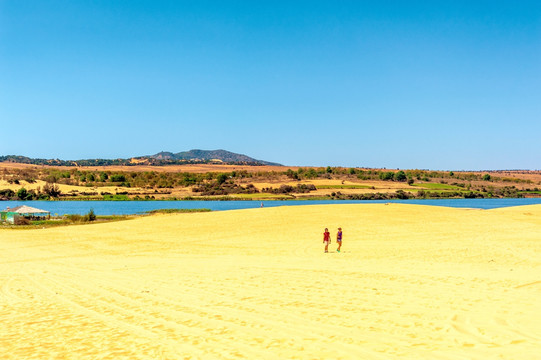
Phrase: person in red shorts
(326,239)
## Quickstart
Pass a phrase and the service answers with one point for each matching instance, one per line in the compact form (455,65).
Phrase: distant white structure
(10,214)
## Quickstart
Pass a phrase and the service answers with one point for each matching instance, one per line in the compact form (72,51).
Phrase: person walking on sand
(326,239)
(339,239)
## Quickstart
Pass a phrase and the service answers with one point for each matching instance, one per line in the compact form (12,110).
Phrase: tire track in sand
(227,315)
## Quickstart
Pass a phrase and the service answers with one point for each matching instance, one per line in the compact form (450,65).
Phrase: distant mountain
(163,158)
(210,155)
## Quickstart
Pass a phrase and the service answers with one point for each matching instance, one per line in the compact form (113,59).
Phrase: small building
(27,212)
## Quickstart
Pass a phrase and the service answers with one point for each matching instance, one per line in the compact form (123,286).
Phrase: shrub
(91,216)
(400,176)
(22,194)
(386,175)
(19,220)
(75,217)
(51,179)
(401,194)
(51,190)
(486,177)
(7,194)
(221,178)
(292,174)
(311,174)
(118,178)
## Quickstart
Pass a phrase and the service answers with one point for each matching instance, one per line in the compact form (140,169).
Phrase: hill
(195,156)
(210,155)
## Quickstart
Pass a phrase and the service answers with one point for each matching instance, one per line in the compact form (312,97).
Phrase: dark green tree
(386,175)
(91,216)
(221,178)
(22,194)
(400,176)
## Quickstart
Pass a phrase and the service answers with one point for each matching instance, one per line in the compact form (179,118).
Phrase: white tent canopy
(23,209)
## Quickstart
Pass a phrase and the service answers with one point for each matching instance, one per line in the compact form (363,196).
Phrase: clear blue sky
(397,84)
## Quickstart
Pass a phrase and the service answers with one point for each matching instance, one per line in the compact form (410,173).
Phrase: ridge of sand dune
(412,282)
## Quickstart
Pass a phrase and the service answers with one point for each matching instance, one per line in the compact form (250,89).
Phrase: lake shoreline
(102,207)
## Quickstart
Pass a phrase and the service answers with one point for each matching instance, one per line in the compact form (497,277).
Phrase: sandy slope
(412,282)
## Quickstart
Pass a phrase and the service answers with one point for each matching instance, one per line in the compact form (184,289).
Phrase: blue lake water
(139,207)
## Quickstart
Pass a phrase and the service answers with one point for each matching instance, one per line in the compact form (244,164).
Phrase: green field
(343,187)
(437,186)
(261,196)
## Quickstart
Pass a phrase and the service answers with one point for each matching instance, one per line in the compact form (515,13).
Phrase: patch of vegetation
(223,187)
(287,189)
(151,185)
(343,187)
(175,211)
(436,186)
(116,197)
(73,219)
(262,196)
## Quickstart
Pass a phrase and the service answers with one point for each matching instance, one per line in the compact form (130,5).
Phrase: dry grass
(64,188)
(260,182)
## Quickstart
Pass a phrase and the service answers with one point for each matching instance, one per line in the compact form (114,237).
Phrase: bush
(401,194)
(19,220)
(7,194)
(118,178)
(51,190)
(22,194)
(386,175)
(75,218)
(400,176)
(292,174)
(311,174)
(221,178)
(486,177)
(91,216)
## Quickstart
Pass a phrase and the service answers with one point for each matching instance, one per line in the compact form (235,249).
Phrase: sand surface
(412,282)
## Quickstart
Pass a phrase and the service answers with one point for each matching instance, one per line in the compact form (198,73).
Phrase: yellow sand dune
(412,282)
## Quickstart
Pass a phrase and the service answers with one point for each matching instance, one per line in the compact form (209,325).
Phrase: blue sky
(397,84)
